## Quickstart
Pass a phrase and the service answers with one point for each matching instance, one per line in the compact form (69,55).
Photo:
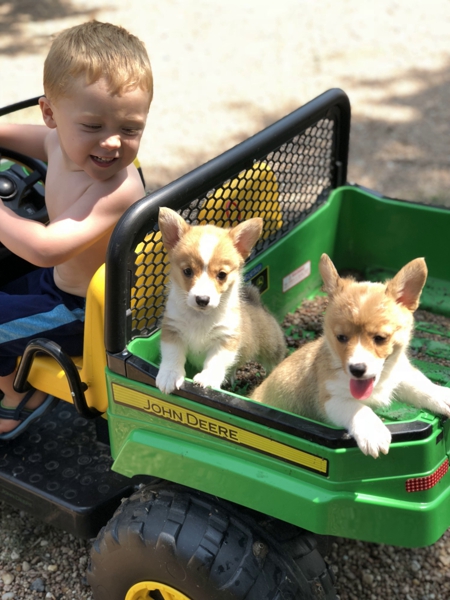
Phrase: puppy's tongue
(361,389)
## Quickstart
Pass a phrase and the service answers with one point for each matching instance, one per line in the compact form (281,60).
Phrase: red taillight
(419,484)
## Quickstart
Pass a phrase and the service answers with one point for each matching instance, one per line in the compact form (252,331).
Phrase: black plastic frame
(6,110)
(50,348)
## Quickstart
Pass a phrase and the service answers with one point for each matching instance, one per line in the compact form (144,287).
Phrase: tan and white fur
(361,361)
(211,317)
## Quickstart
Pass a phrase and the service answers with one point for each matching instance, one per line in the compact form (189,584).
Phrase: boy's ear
(246,234)
(172,227)
(406,287)
(47,112)
(329,274)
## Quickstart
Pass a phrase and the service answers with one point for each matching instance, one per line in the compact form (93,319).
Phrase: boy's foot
(16,419)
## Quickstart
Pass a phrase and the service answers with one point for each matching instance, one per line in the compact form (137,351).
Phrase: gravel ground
(223,71)
(38,561)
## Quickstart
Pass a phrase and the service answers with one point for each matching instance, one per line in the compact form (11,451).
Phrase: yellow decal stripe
(195,420)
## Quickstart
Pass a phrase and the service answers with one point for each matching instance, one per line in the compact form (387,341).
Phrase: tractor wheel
(167,542)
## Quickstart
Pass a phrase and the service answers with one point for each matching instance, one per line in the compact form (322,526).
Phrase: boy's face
(98,133)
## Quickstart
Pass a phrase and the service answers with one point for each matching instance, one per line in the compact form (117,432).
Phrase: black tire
(205,549)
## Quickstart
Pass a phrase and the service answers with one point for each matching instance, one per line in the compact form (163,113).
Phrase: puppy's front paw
(443,397)
(373,439)
(168,380)
(209,378)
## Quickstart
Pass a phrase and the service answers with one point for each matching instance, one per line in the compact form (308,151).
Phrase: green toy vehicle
(226,498)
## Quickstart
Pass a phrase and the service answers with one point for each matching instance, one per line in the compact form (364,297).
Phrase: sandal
(27,416)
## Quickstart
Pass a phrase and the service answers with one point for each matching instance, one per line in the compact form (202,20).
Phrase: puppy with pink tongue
(360,363)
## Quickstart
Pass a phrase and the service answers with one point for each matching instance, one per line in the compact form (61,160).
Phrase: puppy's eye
(188,272)
(379,339)
(343,339)
(221,275)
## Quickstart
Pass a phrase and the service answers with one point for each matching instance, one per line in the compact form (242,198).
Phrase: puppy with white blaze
(360,363)
(211,318)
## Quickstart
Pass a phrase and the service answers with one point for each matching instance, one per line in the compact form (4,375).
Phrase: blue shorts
(32,306)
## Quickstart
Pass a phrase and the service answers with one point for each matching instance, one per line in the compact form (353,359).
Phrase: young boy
(98,88)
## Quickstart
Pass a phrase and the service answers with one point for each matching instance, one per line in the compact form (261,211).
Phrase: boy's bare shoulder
(125,187)
(97,204)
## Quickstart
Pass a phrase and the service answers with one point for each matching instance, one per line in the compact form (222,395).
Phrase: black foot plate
(61,473)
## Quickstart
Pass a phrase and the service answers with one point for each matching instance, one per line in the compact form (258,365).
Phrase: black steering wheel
(20,189)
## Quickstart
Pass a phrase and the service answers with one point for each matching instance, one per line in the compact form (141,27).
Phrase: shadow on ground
(14,14)
(188,159)
(408,158)
(399,140)
(402,157)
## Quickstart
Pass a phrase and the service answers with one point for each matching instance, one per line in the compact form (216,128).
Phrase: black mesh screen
(282,188)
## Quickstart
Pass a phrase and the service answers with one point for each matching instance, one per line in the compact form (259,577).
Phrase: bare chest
(63,187)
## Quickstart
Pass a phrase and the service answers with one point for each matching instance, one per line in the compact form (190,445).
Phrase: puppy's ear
(246,234)
(329,274)
(172,227)
(405,288)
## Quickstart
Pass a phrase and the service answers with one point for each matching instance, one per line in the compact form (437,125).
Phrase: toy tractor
(204,494)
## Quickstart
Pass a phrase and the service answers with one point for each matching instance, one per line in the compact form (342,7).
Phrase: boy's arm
(27,139)
(87,220)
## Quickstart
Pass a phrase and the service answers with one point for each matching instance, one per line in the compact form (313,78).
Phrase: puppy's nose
(358,369)
(202,300)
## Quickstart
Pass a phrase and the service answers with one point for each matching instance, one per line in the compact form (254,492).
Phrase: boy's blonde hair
(97,50)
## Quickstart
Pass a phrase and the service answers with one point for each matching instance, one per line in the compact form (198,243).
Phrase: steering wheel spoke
(19,186)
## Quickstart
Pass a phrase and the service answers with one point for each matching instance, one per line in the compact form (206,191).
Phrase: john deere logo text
(195,420)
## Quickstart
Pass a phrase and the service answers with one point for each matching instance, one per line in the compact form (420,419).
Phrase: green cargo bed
(298,470)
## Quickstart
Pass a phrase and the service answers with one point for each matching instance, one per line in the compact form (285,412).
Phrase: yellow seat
(47,375)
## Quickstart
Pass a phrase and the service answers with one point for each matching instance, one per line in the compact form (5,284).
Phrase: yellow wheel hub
(141,591)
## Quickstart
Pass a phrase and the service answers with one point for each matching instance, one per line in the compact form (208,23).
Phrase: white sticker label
(296,276)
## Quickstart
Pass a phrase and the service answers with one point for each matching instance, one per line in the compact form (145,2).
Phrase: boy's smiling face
(99,133)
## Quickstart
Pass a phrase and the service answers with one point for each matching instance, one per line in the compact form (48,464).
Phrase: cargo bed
(298,470)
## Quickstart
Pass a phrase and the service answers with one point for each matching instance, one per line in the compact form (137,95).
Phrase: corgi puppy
(211,318)
(360,362)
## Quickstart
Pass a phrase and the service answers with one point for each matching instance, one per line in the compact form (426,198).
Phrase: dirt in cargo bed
(431,341)
(300,327)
